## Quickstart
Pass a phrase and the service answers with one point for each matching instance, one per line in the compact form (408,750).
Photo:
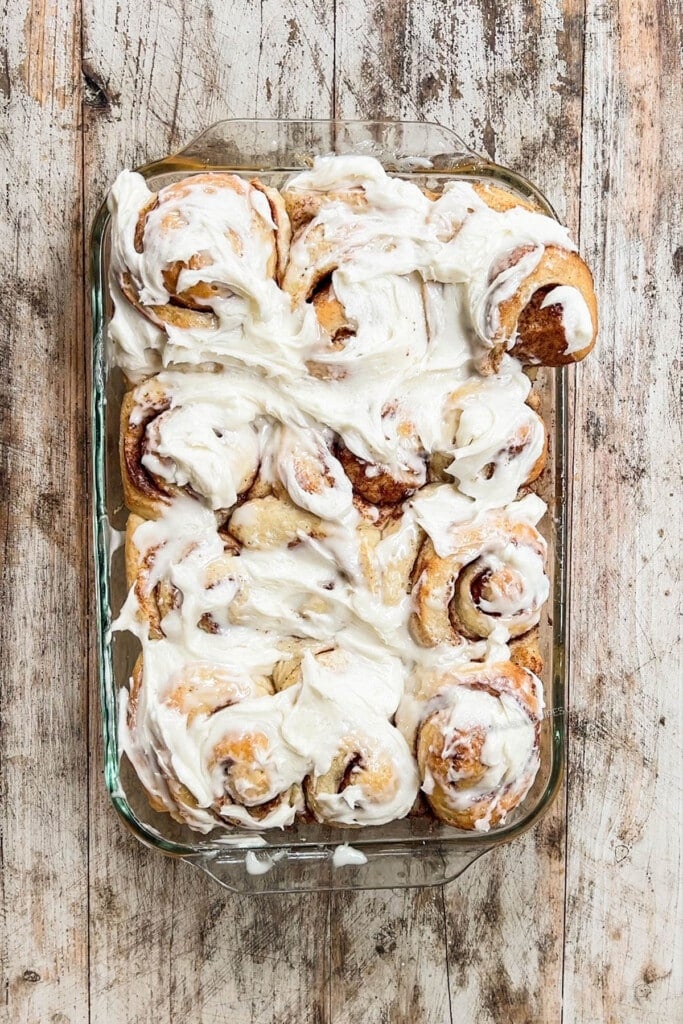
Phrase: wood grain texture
(623,943)
(511,85)
(593,920)
(43,750)
(388,957)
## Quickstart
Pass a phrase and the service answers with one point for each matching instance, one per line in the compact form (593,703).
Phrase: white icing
(414,278)
(509,752)
(533,587)
(444,514)
(576,316)
(493,420)
(201,446)
(345,855)
(312,476)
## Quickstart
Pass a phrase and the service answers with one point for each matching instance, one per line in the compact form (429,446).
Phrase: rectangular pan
(414,851)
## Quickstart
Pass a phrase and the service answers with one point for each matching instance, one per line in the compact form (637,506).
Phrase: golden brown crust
(541,335)
(447,591)
(303,206)
(525,652)
(455,763)
(500,200)
(331,315)
(272,521)
(283,228)
(375,484)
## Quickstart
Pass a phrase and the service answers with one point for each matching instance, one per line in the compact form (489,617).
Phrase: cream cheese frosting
(418,281)
(576,315)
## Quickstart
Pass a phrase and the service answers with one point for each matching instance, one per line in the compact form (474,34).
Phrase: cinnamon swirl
(201,448)
(481,575)
(206,741)
(478,743)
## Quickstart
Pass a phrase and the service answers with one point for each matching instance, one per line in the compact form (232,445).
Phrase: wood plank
(511,86)
(43,604)
(168,945)
(623,949)
(388,957)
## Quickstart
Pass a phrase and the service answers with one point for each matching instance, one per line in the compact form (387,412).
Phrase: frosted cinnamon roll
(478,743)
(201,240)
(312,476)
(180,575)
(188,582)
(490,573)
(499,441)
(371,779)
(205,449)
(206,743)
(528,290)
(385,482)
(362,770)
(381,484)
(327,228)
(254,775)
(353,257)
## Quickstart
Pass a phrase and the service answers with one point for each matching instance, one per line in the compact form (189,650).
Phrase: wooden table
(577,921)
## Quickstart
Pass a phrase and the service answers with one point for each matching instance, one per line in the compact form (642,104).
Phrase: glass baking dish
(414,851)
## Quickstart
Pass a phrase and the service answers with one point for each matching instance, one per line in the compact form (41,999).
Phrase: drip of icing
(345,856)
(256,865)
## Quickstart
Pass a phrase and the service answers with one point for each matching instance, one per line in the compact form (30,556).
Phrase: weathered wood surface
(580,929)
(43,531)
(624,914)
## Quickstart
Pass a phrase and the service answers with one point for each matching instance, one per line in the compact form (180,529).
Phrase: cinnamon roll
(362,770)
(311,475)
(478,743)
(528,290)
(491,573)
(181,576)
(201,240)
(206,742)
(208,450)
(371,779)
(379,482)
(382,484)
